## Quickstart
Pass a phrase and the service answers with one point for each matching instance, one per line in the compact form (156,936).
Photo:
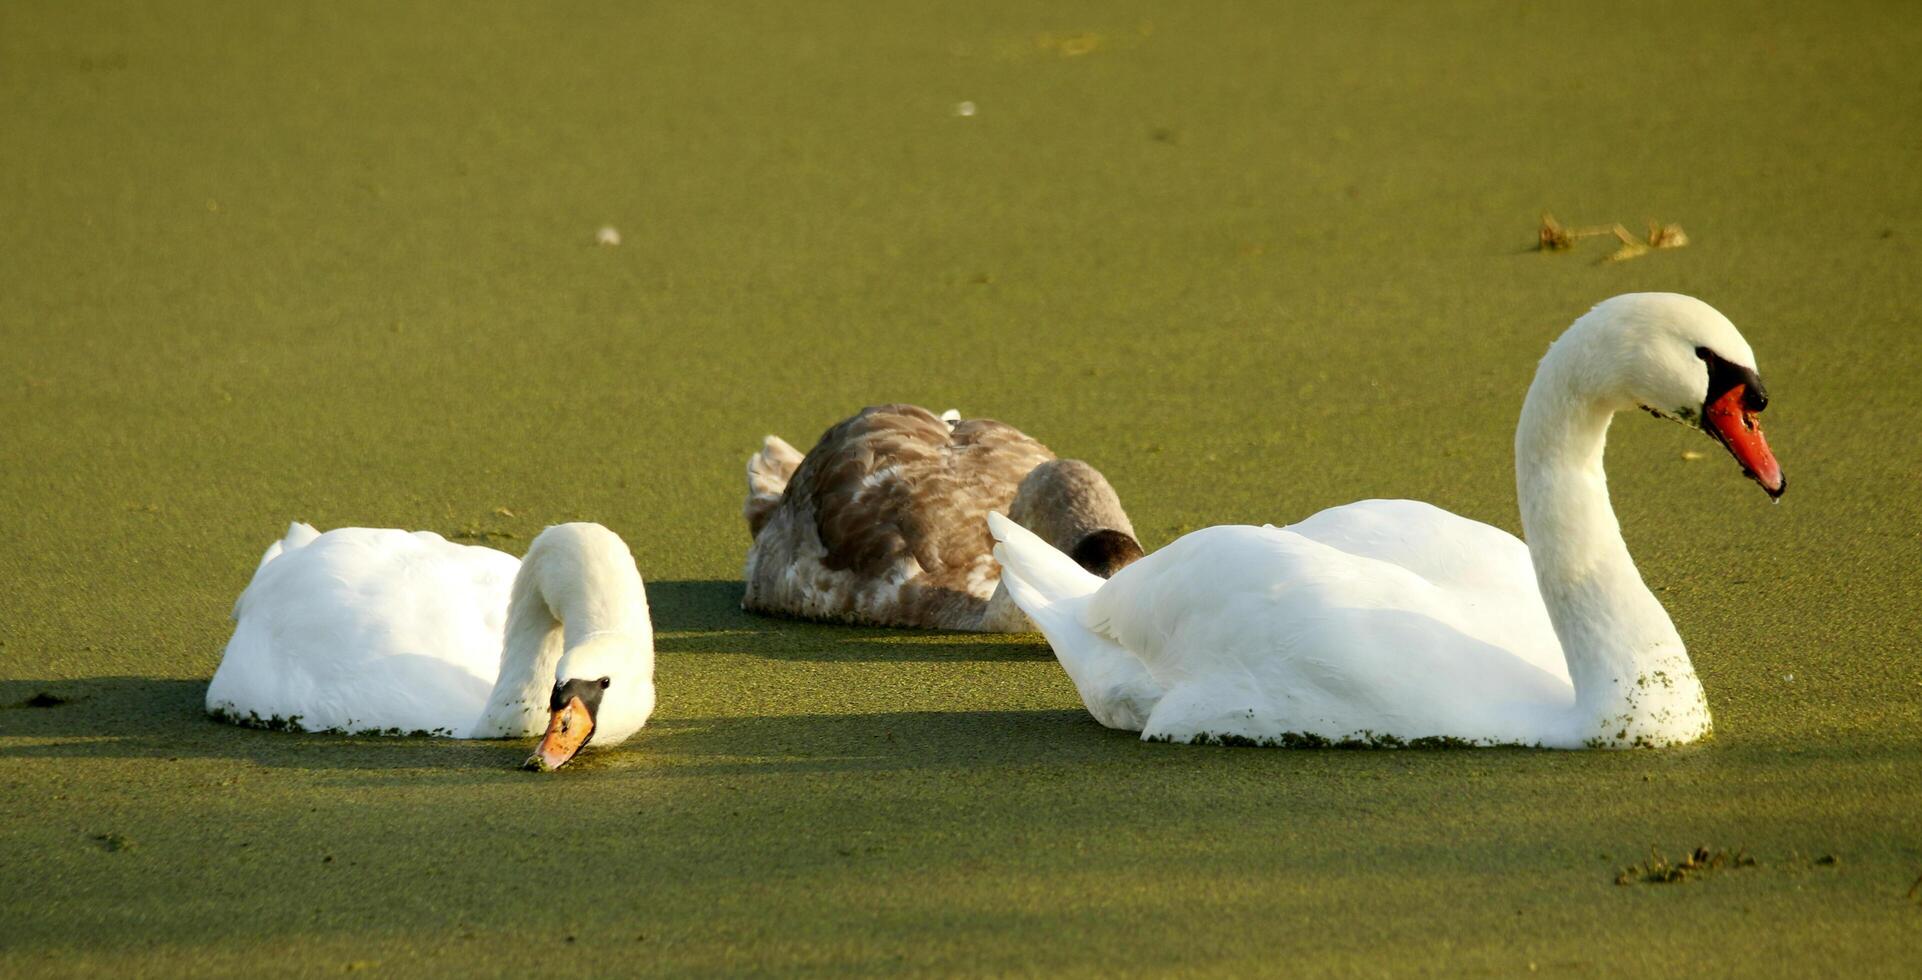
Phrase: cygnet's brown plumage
(884,522)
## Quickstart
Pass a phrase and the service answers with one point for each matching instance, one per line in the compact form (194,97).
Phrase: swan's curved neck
(567,595)
(1633,680)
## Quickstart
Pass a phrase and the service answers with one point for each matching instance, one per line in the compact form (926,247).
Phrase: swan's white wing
(1442,547)
(364,629)
(1264,631)
(1486,571)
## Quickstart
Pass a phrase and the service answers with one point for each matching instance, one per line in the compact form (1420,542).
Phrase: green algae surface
(338,263)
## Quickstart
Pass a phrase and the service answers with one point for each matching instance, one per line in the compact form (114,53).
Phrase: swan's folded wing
(1484,575)
(1317,639)
(896,482)
(368,629)
(1444,548)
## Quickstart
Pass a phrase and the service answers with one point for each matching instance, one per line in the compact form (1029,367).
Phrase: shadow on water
(697,604)
(695,617)
(919,740)
(163,719)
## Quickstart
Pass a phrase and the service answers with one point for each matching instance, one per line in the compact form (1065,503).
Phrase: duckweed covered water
(339,263)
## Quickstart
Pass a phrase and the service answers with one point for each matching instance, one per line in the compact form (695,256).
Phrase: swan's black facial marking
(1106,552)
(1723,375)
(589,691)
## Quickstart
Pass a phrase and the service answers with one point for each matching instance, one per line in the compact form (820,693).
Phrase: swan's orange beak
(567,731)
(1734,425)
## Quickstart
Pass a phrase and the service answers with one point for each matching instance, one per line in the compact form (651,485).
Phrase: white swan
(1390,621)
(370,630)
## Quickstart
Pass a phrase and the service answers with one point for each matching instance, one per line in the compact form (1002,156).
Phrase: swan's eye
(606,681)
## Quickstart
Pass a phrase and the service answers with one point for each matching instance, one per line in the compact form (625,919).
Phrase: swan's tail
(299,535)
(1054,591)
(1045,583)
(767,474)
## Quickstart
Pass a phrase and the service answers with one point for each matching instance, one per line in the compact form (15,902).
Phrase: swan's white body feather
(367,629)
(1378,619)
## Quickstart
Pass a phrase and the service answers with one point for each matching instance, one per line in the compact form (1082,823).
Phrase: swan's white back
(364,629)
(1377,620)
(1469,573)
(1383,618)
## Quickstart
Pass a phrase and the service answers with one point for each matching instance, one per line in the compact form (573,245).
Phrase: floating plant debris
(1553,236)
(1658,870)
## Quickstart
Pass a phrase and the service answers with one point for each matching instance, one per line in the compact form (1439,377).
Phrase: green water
(336,262)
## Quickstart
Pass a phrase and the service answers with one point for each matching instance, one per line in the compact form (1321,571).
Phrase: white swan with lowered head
(1390,621)
(375,630)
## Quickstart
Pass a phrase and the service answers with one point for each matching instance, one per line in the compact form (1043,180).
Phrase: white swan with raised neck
(1389,622)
